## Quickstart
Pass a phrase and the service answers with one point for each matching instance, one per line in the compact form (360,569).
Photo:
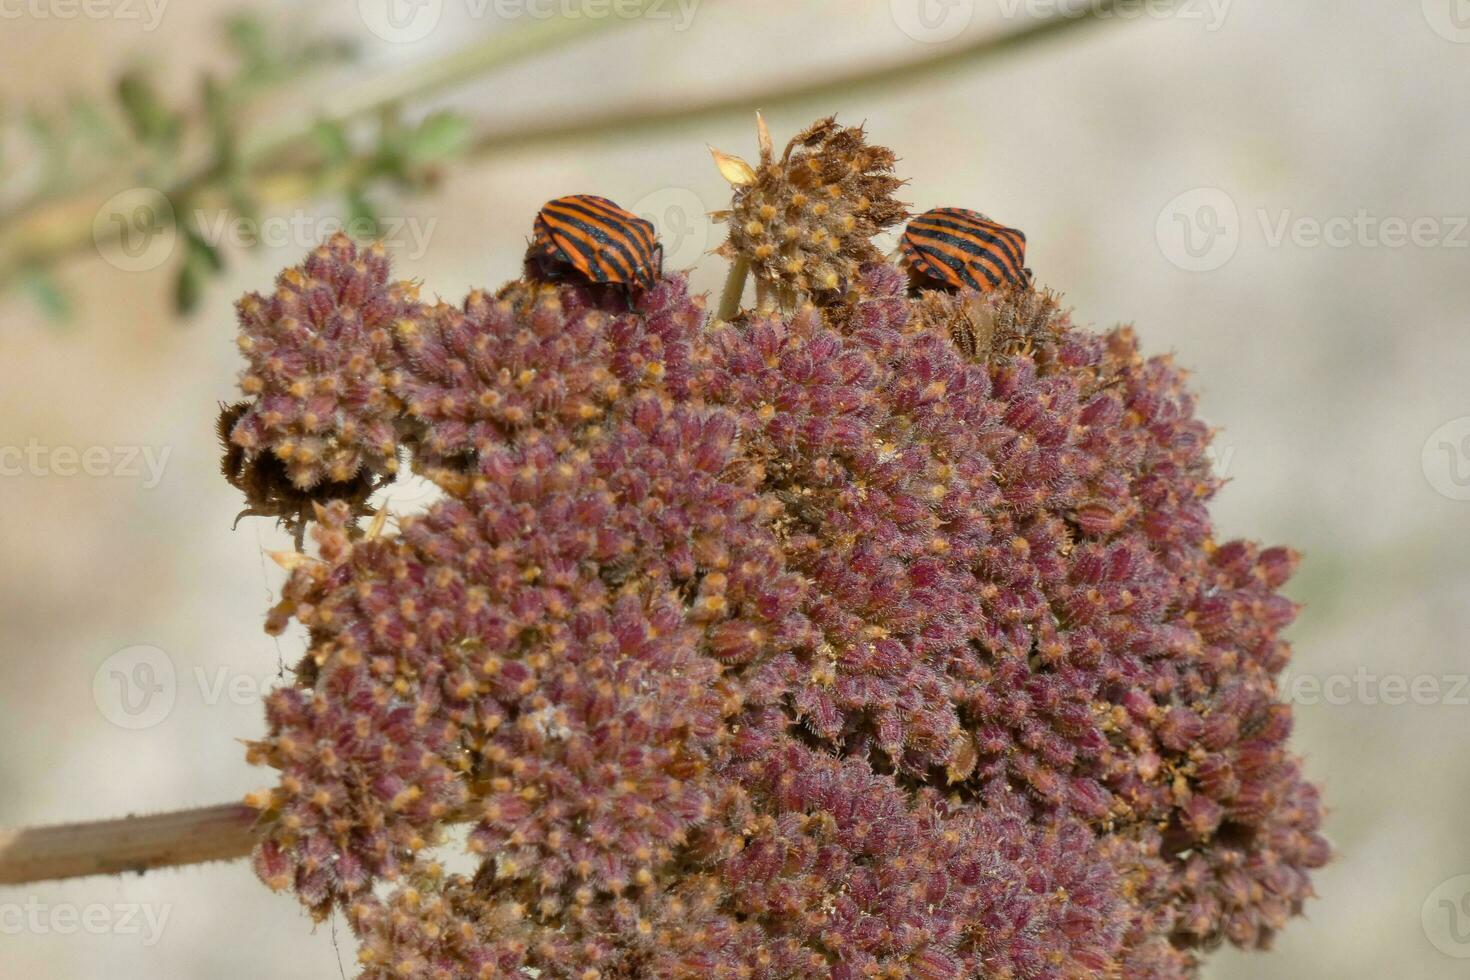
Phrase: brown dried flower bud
(805,222)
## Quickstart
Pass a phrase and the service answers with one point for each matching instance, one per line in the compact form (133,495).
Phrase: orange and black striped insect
(962,249)
(594,238)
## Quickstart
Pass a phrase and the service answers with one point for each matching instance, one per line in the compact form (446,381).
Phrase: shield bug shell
(596,239)
(962,249)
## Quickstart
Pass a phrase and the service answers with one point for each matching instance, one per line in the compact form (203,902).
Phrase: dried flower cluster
(805,222)
(880,638)
(319,350)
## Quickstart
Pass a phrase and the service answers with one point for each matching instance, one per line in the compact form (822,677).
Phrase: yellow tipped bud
(733,169)
(290,560)
(763,137)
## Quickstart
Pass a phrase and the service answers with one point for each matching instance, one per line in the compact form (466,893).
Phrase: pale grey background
(1326,369)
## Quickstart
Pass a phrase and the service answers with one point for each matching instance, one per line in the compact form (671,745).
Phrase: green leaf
(147,116)
(362,216)
(271,54)
(331,136)
(47,294)
(92,124)
(220,120)
(50,140)
(42,130)
(201,262)
(206,256)
(248,37)
(188,289)
(242,202)
(440,136)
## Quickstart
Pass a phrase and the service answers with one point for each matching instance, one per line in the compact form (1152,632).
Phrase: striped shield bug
(957,248)
(595,239)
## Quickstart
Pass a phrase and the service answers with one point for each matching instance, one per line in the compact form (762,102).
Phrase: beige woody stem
(129,844)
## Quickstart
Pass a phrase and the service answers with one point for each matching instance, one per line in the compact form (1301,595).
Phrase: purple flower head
(882,638)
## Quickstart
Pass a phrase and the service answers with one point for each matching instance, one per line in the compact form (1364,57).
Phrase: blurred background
(1275,192)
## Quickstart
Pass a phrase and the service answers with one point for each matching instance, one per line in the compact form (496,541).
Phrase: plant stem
(734,289)
(136,844)
(786,299)
(641,120)
(498,51)
(65,227)
(53,229)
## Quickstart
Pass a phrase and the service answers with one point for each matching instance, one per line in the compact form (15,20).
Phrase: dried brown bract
(267,486)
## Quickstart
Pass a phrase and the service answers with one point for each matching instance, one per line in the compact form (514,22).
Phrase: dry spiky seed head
(805,222)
